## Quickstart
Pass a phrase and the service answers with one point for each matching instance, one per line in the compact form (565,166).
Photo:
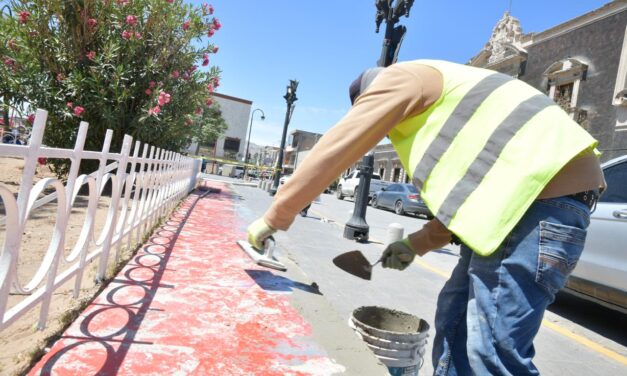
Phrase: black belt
(588,198)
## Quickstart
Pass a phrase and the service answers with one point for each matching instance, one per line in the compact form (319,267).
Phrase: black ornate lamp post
(290,98)
(357,228)
(250,129)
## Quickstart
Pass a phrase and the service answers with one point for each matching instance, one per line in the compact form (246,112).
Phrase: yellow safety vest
(485,150)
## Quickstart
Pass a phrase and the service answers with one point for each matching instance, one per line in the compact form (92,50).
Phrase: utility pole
(357,228)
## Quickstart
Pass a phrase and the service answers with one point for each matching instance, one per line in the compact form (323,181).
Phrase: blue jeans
(491,308)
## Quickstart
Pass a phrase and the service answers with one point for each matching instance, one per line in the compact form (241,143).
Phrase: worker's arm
(433,235)
(399,255)
(395,94)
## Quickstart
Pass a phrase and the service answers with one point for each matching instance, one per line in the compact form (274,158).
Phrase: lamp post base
(356,229)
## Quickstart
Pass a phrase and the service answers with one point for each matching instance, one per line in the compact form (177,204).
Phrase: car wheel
(339,194)
(398,208)
(373,202)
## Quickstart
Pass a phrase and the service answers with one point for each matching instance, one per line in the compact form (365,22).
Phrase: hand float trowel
(263,257)
(355,263)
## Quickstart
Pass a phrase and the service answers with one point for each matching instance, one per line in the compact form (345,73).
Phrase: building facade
(235,112)
(298,146)
(581,64)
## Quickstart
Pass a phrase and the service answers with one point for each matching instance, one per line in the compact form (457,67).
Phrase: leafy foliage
(130,66)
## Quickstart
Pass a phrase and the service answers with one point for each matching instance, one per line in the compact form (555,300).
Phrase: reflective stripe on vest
(488,156)
(460,116)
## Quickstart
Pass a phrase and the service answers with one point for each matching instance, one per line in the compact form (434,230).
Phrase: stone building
(581,64)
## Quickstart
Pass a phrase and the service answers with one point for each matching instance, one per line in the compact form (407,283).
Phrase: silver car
(402,198)
(601,273)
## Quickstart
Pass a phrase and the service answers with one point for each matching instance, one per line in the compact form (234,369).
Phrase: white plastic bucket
(397,338)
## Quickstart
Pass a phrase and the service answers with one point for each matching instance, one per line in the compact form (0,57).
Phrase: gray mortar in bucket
(397,338)
(381,320)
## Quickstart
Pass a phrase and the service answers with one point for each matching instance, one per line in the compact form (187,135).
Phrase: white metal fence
(143,189)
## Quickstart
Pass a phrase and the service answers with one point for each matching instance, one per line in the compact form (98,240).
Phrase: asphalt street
(577,337)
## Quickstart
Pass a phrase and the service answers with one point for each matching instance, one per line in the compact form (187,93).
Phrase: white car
(601,273)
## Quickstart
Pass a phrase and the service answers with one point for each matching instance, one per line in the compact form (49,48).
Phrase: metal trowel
(355,263)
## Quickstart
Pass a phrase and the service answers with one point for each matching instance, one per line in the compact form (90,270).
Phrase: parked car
(601,273)
(402,198)
(237,172)
(349,184)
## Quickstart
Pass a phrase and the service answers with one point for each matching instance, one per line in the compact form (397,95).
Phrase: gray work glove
(398,255)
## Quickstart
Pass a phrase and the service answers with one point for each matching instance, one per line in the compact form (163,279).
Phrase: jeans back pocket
(560,249)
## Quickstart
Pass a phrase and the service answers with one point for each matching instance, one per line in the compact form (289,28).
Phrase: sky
(326,44)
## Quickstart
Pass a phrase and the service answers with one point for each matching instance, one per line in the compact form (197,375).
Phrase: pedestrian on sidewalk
(506,172)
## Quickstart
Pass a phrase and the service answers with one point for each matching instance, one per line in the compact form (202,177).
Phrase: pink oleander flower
(126,35)
(210,87)
(210,32)
(216,81)
(215,49)
(164,98)
(192,69)
(78,110)
(148,92)
(176,74)
(92,23)
(138,35)
(69,105)
(216,24)
(154,111)
(151,84)
(30,118)
(186,25)
(209,102)
(207,8)
(91,55)
(121,2)
(42,160)
(170,1)
(198,111)
(131,20)
(24,15)
(205,60)
(9,62)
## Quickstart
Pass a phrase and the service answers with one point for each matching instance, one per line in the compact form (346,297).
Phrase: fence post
(62,221)
(196,165)
(115,199)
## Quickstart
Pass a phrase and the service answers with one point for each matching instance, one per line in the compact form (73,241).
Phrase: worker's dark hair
(361,83)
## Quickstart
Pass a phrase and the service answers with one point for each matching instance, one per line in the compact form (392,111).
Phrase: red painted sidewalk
(191,303)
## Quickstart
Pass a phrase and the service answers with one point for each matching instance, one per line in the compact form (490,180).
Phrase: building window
(231,144)
(396,175)
(563,78)
(564,95)
(382,172)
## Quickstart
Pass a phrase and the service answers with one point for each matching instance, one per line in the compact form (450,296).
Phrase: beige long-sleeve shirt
(399,91)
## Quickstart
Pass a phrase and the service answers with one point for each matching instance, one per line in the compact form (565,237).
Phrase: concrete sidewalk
(192,303)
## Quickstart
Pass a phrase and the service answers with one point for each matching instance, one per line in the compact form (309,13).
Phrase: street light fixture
(290,98)
(250,129)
